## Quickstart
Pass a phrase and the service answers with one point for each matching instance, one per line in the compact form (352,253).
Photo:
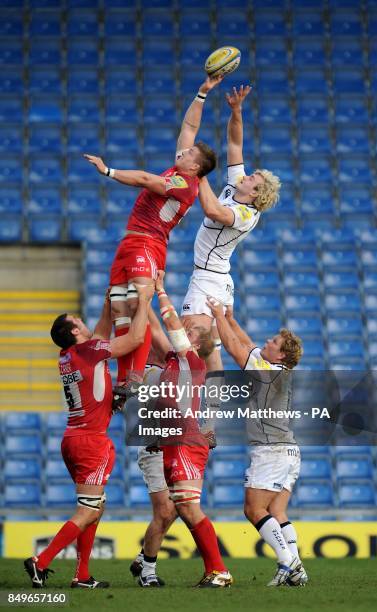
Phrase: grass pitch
(335,585)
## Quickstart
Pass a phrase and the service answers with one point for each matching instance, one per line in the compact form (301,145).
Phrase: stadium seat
(60,495)
(159,109)
(312,108)
(22,469)
(82,108)
(260,259)
(194,23)
(346,23)
(274,109)
(305,324)
(307,23)
(84,199)
(24,496)
(302,303)
(266,326)
(138,496)
(270,52)
(55,422)
(338,302)
(354,467)
(120,23)
(11,228)
(301,280)
(115,495)
(269,23)
(45,200)
(272,81)
(83,52)
(11,81)
(45,169)
(52,445)
(340,280)
(346,51)
(228,495)
(10,168)
(45,228)
(55,469)
(275,138)
(23,444)
(85,81)
(11,24)
(231,23)
(260,280)
(356,495)
(351,108)
(294,258)
(228,469)
(310,81)
(315,468)
(11,199)
(315,168)
(45,138)
(83,137)
(82,23)
(313,139)
(314,494)
(21,421)
(45,23)
(11,52)
(346,351)
(308,51)
(337,259)
(352,139)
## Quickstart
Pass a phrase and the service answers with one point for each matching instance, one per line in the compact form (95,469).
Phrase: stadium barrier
(122,540)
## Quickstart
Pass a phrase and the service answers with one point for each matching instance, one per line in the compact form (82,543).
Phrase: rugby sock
(149,566)
(122,361)
(134,363)
(84,548)
(140,556)
(68,533)
(271,532)
(208,546)
(290,536)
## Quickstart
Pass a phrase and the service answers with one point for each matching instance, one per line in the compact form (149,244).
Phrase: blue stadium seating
(354,467)
(356,495)
(315,468)
(25,495)
(17,422)
(138,496)
(318,494)
(59,495)
(55,422)
(22,445)
(22,469)
(228,469)
(55,470)
(228,495)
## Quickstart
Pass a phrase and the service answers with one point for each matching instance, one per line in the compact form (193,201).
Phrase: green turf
(335,585)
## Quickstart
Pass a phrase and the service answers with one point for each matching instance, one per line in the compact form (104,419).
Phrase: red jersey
(87,387)
(185,373)
(155,214)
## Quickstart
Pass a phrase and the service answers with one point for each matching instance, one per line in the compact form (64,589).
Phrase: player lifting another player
(161,205)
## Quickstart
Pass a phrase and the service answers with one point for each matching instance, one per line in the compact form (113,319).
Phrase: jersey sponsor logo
(278,486)
(244,212)
(140,269)
(175,182)
(293,452)
(73,377)
(228,193)
(65,358)
(140,259)
(169,210)
(101,346)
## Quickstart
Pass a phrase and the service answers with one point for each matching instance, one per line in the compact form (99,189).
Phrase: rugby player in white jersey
(228,220)
(275,456)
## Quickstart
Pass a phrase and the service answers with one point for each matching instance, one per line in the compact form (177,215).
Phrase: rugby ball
(222,61)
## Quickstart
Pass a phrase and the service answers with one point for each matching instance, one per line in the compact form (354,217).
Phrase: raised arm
(134,178)
(176,332)
(160,341)
(240,333)
(192,119)
(235,125)
(212,207)
(102,330)
(135,337)
(240,352)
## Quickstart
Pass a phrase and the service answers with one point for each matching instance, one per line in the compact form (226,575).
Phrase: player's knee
(90,506)
(250,512)
(118,301)
(166,514)
(186,500)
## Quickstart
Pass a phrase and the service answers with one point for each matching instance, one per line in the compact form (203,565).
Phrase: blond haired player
(275,456)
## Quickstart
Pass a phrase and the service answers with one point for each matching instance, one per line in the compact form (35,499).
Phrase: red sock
(84,548)
(134,363)
(123,362)
(65,536)
(208,546)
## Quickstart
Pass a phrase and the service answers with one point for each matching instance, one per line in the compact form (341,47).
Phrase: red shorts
(184,462)
(137,256)
(89,458)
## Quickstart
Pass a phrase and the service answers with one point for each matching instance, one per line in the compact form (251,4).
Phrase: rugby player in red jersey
(161,205)
(185,456)
(87,450)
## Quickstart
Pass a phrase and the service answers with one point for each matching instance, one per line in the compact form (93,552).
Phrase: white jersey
(215,242)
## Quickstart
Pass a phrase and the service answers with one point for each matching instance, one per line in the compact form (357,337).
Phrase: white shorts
(202,284)
(273,467)
(152,468)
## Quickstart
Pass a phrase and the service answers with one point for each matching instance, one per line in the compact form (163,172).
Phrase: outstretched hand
(160,280)
(216,307)
(210,83)
(97,162)
(236,98)
(145,291)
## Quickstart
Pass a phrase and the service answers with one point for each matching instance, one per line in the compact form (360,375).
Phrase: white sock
(140,557)
(148,568)
(272,534)
(290,536)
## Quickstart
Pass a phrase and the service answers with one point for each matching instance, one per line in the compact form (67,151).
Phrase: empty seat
(82,23)
(302,302)
(339,258)
(45,81)
(312,108)
(10,228)
(83,52)
(314,138)
(45,23)
(346,351)
(317,199)
(11,51)
(55,422)
(346,51)
(22,469)
(231,468)
(305,325)
(228,495)
(315,468)
(11,81)
(260,258)
(263,326)
(45,228)
(84,199)
(272,81)
(60,495)
(269,23)
(24,496)
(45,51)
(194,51)
(314,494)
(159,109)
(275,139)
(274,109)
(10,168)
(281,165)
(349,80)
(157,52)
(308,23)
(308,52)
(355,200)
(315,168)
(56,469)
(263,302)
(344,326)
(352,139)
(356,495)
(45,169)
(82,108)
(271,51)
(310,81)
(194,23)
(337,302)
(80,170)
(350,107)
(303,280)
(122,109)
(354,467)
(232,23)
(120,81)
(158,23)
(340,280)
(22,421)
(11,199)
(45,138)
(23,444)
(138,496)
(346,23)
(120,23)
(84,81)
(261,280)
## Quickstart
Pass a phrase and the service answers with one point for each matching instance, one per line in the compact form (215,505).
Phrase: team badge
(175,182)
